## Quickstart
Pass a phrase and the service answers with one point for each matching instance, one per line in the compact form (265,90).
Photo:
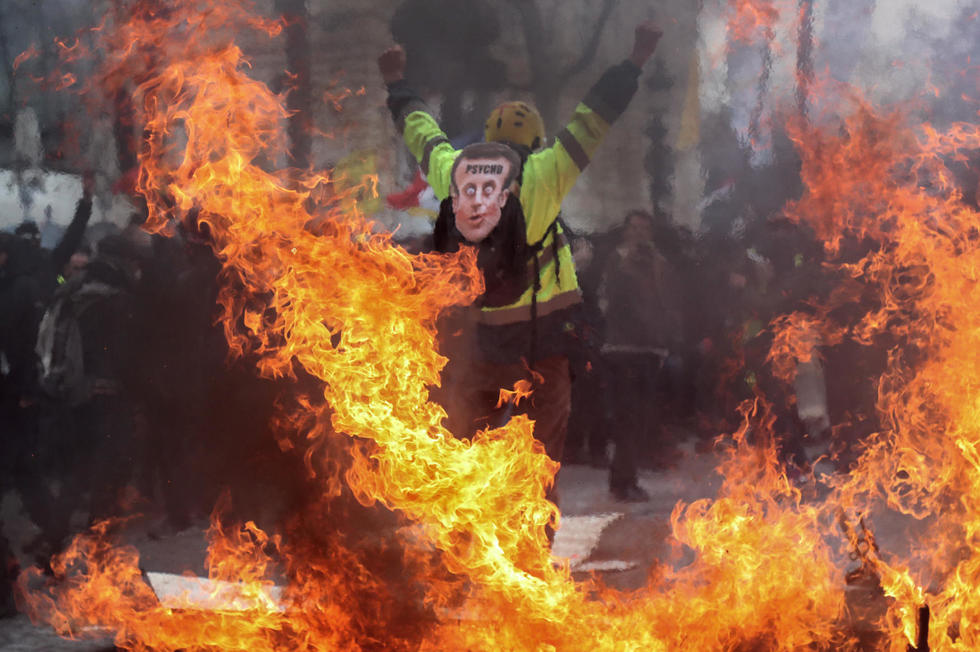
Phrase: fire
(26,55)
(889,183)
(111,594)
(751,19)
(319,289)
(797,338)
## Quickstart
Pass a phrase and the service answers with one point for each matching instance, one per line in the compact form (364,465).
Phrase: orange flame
(318,288)
(889,183)
(751,19)
(27,54)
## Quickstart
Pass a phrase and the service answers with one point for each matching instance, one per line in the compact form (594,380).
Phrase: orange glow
(27,54)
(752,19)
(796,340)
(66,81)
(888,182)
(320,289)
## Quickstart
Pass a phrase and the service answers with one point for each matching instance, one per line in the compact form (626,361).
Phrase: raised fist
(88,183)
(645,41)
(391,63)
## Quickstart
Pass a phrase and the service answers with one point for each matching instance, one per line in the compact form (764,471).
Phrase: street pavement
(618,541)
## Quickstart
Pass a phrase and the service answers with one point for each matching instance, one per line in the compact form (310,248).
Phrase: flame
(796,338)
(751,19)
(113,595)
(66,81)
(69,52)
(888,184)
(318,289)
(26,55)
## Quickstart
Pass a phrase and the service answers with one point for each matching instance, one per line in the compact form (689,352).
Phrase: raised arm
(554,170)
(423,136)
(73,235)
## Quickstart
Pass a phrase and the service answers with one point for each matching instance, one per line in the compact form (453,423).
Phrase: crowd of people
(117,394)
(623,335)
(675,338)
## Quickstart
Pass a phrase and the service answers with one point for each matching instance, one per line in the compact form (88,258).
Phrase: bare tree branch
(539,59)
(592,46)
(8,69)
(544,59)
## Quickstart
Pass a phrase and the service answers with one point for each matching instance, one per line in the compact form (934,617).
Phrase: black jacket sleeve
(610,95)
(72,237)
(402,100)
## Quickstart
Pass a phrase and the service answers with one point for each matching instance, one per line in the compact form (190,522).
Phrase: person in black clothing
(91,413)
(109,416)
(45,266)
(28,280)
(18,381)
(8,571)
(18,321)
(16,354)
(587,436)
(642,328)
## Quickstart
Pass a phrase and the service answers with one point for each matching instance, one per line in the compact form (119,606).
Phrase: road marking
(578,536)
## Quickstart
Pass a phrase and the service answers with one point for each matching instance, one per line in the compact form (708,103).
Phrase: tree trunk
(804,58)
(299,99)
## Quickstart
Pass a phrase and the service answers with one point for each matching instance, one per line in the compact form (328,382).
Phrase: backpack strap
(446,238)
(536,287)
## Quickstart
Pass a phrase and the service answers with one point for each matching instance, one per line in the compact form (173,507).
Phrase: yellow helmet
(515,122)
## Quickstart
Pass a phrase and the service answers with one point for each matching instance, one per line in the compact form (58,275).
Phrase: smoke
(787,59)
(845,35)
(27,137)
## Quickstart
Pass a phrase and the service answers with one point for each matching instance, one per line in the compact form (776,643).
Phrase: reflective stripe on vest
(515,314)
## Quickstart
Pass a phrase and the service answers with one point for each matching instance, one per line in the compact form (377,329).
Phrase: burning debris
(314,294)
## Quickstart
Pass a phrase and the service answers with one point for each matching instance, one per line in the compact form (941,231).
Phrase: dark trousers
(476,395)
(8,575)
(111,431)
(26,462)
(632,381)
(587,430)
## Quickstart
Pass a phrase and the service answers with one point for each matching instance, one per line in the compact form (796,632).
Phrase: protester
(76,263)
(18,375)
(531,286)
(641,329)
(43,266)
(32,276)
(89,361)
(8,572)
(587,423)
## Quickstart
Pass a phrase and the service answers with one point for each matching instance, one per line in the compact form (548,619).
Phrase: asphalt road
(618,541)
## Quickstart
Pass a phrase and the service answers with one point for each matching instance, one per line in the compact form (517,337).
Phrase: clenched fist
(391,63)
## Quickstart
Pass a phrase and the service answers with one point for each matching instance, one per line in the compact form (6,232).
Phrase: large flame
(752,20)
(317,288)
(889,183)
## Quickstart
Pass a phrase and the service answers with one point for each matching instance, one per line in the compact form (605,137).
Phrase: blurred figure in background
(641,330)
(45,266)
(18,375)
(90,371)
(587,425)
(504,201)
